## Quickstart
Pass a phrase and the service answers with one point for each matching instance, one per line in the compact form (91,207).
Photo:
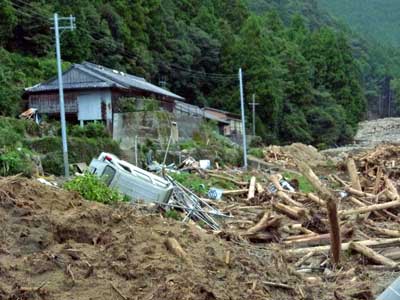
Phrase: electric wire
(201,75)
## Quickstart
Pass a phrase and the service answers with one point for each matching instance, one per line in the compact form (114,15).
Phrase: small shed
(229,123)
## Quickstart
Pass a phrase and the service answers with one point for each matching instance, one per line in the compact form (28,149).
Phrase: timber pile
(357,212)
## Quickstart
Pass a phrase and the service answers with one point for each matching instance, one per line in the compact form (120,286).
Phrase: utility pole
(71,26)
(254,104)
(243,120)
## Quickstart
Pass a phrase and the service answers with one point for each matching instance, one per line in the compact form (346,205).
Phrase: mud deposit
(55,245)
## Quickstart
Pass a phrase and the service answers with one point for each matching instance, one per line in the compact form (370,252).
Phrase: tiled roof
(88,75)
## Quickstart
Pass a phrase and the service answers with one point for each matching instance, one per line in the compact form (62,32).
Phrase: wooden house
(93,93)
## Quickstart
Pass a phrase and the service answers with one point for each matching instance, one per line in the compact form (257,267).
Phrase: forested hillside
(378,19)
(311,77)
(375,22)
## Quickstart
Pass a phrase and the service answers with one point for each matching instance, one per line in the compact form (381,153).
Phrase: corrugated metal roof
(88,75)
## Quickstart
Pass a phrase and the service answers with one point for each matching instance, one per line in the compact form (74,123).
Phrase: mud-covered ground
(55,245)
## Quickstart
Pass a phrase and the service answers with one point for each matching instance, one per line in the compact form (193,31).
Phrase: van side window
(108,175)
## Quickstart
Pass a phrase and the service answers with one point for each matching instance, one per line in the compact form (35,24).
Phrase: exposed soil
(55,245)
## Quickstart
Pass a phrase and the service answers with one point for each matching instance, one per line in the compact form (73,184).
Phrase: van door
(108,175)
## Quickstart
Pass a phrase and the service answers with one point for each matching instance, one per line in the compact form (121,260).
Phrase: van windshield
(108,175)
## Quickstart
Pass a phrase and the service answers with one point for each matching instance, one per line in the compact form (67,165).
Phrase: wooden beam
(292,212)
(265,222)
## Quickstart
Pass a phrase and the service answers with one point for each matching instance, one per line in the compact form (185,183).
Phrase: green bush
(15,162)
(53,163)
(257,152)
(14,131)
(90,130)
(92,188)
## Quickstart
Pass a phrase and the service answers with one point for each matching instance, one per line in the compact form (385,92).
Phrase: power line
(33,13)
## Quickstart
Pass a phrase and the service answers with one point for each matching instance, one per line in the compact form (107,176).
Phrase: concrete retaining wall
(154,126)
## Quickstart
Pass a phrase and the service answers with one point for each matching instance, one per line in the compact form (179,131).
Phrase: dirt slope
(55,245)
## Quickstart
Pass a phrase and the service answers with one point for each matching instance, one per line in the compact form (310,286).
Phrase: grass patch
(92,188)
(173,214)
(304,185)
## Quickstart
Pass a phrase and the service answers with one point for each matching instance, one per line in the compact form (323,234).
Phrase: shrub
(53,163)
(92,188)
(90,130)
(15,162)
(257,152)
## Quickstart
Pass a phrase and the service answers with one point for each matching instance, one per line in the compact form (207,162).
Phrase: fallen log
(264,237)
(291,239)
(345,246)
(359,193)
(382,214)
(235,192)
(392,196)
(390,186)
(314,239)
(377,180)
(275,181)
(352,169)
(292,212)
(393,254)
(331,205)
(288,200)
(372,255)
(304,259)
(369,208)
(278,285)
(264,223)
(301,228)
(259,188)
(384,231)
(252,188)
(314,198)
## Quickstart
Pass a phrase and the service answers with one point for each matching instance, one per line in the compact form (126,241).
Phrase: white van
(130,180)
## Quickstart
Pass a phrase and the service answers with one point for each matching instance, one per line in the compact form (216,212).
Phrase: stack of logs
(361,214)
